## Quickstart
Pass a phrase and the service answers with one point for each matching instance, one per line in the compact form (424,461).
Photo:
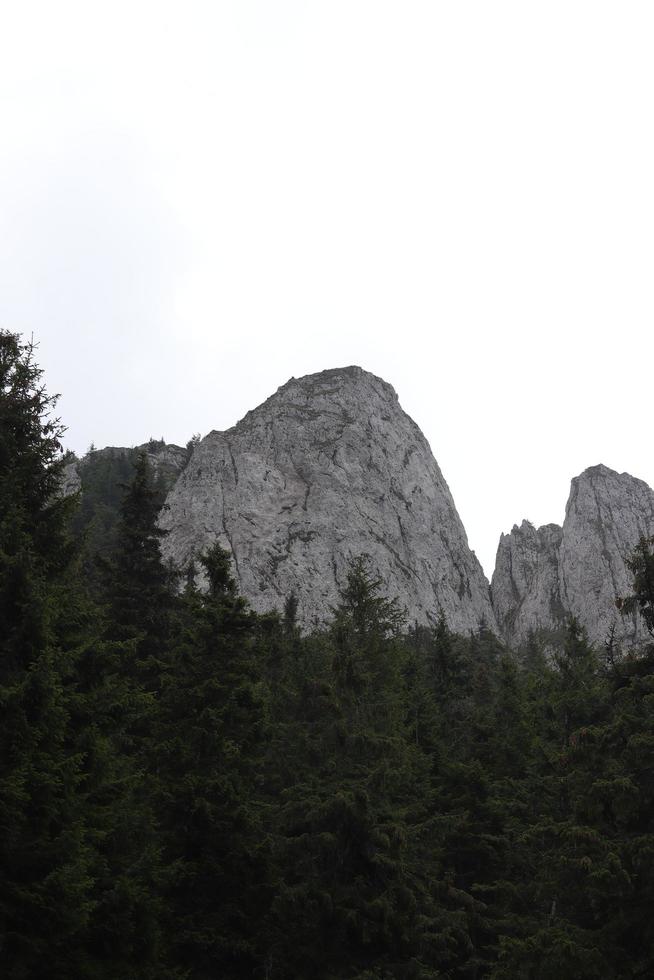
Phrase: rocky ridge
(167,462)
(544,574)
(328,468)
(525,586)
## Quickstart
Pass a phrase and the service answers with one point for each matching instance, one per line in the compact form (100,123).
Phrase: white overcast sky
(200,199)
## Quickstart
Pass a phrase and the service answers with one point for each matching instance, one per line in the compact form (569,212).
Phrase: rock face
(525,588)
(328,468)
(71,480)
(543,574)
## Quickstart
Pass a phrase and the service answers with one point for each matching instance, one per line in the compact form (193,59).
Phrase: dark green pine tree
(624,788)
(472,726)
(211,738)
(45,854)
(641,600)
(573,879)
(359,893)
(103,476)
(139,588)
(133,659)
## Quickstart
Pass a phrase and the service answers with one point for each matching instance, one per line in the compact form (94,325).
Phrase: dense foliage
(190,790)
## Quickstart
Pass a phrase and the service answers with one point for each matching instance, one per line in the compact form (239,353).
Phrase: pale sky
(199,200)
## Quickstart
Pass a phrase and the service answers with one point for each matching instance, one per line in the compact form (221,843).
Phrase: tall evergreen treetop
(33,517)
(45,887)
(363,607)
(217,564)
(210,745)
(641,564)
(139,584)
(30,436)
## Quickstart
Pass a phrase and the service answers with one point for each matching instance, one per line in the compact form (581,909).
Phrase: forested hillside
(192,790)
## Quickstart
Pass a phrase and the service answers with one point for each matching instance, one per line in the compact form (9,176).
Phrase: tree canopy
(191,790)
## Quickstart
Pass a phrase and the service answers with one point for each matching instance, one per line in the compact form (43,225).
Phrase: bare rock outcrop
(525,587)
(328,468)
(607,513)
(71,481)
(542,575)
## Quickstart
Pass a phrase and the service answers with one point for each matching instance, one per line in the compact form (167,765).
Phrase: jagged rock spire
(542,575)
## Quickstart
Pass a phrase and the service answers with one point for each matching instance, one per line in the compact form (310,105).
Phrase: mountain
(331,467)
(543,574)
(328,468)
(525,585)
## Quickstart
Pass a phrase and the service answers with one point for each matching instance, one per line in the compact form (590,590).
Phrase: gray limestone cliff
(71,480)
(542,575)
(328,468)
(525,585)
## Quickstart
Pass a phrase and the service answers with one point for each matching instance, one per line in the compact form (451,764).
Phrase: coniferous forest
(192,790)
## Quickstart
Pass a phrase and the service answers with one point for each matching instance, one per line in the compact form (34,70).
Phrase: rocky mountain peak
(330,467)
(599,486)
(330,391)
(524,587)
(543,575)
(327,468)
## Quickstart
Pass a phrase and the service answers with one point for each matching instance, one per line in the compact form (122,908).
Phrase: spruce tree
(139,586)
(133,659)
(359,893)
(45,854)
(211,737)
(641,600)
(571,870)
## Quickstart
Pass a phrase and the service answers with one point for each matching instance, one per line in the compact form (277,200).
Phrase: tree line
(192,790)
